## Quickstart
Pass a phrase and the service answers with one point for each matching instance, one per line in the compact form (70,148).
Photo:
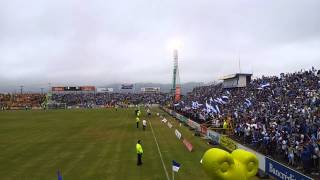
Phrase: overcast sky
(100,41)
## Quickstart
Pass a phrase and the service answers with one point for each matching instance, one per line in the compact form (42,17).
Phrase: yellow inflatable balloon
(221,165)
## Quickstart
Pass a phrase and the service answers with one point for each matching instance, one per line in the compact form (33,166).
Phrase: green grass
(92,144)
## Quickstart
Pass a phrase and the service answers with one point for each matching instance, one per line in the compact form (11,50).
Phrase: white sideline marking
(155,139)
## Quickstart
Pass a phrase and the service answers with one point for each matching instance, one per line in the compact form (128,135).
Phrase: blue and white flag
(217,108)
(221,101)
(225,97)
(211,100)
(175,166)
(247,102)
(194,105)
(210,108)
(262,86)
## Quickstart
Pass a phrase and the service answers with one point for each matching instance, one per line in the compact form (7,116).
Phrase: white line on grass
(155,139)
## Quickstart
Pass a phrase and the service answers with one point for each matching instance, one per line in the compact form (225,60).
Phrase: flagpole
(172,174)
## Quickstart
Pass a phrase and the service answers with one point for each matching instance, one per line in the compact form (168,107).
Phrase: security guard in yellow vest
(137,121)
(138,113)
(225,126)
(139,152)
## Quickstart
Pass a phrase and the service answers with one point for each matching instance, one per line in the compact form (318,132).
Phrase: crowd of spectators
(272,114)
(21,101)
(102,99)
(87,100)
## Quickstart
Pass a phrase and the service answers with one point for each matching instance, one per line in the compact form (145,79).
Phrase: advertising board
(280,171)
(55,89)
(169,125)
(178,134)
(188,145)
(127,86)
(203,130)
(87,88)
(214,136)
(72,88)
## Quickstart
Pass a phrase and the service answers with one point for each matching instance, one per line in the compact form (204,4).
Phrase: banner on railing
(204,129)
(228,143)
(194,125)
(214,136)
(280,171)
(184,119)
(178,134)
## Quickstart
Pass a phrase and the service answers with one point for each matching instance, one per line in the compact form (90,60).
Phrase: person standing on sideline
(137,121)
(144,124)
(139,153)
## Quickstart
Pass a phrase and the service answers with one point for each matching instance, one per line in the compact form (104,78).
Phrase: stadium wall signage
(178,134)
(228,143)
(127,86)
(103,89)
(214,136)
(204,130)
(188,145)
(73,88)
(57,88)
(88,88)
(280,171)
(194,124)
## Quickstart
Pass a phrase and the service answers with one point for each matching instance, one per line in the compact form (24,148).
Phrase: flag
(264,85)
(210,108)
(225,97)
(175,166)
(220,101)
(217,108)
(195,105)
(211,100)
(247,102)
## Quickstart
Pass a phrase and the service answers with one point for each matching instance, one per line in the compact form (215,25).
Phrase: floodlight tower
(176,78)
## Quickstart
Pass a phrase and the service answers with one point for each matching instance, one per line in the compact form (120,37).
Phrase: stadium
(84,95)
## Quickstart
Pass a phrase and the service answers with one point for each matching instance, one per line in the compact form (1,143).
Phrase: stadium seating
(273,114)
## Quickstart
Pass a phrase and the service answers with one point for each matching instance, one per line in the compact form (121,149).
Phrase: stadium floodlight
(175,44)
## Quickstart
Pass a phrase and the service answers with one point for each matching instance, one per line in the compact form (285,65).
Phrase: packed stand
(101,99)
(21,101)
(272,114)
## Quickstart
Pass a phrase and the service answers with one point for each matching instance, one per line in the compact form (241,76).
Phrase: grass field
(92,144)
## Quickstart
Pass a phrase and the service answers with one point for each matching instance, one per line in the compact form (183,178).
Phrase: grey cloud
(102,42)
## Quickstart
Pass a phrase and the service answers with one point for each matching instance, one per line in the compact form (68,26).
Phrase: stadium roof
(234,75)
